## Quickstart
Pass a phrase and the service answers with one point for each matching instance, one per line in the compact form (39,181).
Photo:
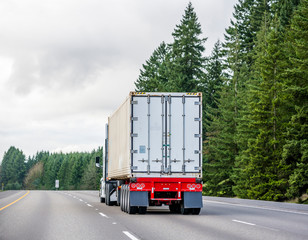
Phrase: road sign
(57,184)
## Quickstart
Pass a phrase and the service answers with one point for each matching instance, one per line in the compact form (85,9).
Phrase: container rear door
(184,129)
(166,134)
(147,130)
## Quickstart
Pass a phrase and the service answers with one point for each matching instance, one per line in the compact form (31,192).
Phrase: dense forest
(255,106)
(73,170)
(255,93)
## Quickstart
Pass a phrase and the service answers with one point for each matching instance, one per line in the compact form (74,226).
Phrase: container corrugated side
(119,142)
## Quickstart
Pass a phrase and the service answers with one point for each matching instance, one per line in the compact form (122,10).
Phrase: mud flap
(193,200)
(139,199)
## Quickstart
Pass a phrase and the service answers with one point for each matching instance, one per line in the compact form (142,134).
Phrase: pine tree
(154,77)
(186,67)
(211,85)
(76,171)
(63,174)
(13,168)
(221,148)
(263,174)
(295,151)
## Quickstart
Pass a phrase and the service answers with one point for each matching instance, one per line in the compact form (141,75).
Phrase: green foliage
(73,170)
(187,62)
(13,168)
(211,85)
(154,75)
(179,66)
(254,98)
(295,151)
(34,176)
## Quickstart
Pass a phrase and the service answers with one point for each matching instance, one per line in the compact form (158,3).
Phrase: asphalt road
(79,215)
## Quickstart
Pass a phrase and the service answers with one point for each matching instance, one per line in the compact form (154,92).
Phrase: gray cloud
(67,65)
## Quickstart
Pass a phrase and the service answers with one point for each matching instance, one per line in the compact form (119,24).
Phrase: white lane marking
(80,200)
(114,223)
(89,205)
(103,215)
(96,209)
(252,224)
(238,221)
(264,208)
(131,236)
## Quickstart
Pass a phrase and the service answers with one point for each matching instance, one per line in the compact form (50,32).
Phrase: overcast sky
(66,65)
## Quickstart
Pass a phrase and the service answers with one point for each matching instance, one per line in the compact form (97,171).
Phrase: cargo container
(153,153)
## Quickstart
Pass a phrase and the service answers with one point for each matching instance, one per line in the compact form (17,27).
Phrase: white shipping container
(156,135)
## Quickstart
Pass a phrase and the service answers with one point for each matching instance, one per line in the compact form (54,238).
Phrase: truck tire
(175,208)
(172,208)
(118,197)
(184,211)
(142,210)
(130,209)
(126,199)
(121,198)
(196,211)
(107,195)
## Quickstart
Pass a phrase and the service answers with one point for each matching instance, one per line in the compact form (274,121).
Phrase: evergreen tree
(13,168)
(211,85)
(221,148)
(154,77)
(76,171)
(187,62)
(284,9)
(295,151)
(63,174)
(261,172)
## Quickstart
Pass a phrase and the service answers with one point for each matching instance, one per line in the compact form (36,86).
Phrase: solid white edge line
(131,236)
(103,215)
(89,205)
(264,208)
(247,223)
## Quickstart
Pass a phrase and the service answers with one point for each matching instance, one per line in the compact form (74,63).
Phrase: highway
(79,215)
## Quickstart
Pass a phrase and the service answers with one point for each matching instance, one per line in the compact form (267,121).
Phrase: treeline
(73,170)
(255,96)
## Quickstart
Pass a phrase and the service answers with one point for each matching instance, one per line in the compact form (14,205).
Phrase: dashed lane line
(14,201)
(131,236)
(256,207)
(247,223)
(253,224)
(103,215)
(89,205)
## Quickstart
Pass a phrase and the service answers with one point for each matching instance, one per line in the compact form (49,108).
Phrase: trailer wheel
(175,208)
(106,193)
(126,199)
(142,210)
(172,208)
(184,211)
(196,211)
(121,197)
(130,209)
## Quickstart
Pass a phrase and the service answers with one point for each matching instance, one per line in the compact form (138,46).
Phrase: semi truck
(153,153)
